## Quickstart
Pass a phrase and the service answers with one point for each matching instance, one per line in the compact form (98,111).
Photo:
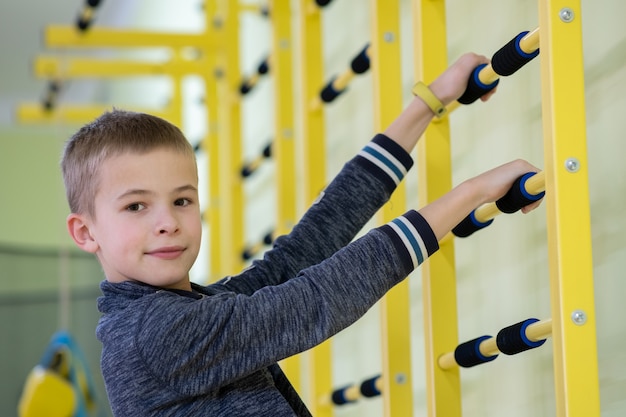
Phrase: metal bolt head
(287,133)
(218,22)
(566,14)
(579,317)
(389,37)
(400,378)
(572,165)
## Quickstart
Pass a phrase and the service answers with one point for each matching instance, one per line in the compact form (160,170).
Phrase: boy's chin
(170,283)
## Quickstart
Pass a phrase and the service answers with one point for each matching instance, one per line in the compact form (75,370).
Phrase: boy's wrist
(475,190)
(434,103)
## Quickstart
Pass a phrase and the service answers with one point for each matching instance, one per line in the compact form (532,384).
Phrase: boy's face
(147,224)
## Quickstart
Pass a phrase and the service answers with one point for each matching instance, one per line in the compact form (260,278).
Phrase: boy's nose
(167,223)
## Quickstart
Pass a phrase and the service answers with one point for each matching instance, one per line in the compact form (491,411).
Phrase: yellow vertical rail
(567,205)
(284,115)
(443,388)
(395,309)
(319,370)
(229,119)
(211,145)
(282,47)
(176,101)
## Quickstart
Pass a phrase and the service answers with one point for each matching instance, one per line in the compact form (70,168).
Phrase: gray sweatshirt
(213,351)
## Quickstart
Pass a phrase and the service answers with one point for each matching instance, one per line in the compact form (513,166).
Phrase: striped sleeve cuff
(413,238)
(385,159)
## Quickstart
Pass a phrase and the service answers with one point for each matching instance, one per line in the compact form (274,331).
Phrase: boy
(173,348)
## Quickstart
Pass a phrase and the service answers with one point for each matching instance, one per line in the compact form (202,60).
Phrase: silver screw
(579,317)
(400,378)
(572,165)
(389,37)
(566,14)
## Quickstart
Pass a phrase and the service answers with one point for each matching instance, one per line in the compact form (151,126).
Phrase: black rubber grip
(368,387)
(245,88)
(83,24)
(329,93)
(338,396)
(468,354)
(510,57)
(517,196)
(267,151)
(264,67)
(246,171)
(247,254)
(475,88)
(48,104)
(54,86)
(361,62)
(51,94)
(469,225)
(268,238)
(512,340)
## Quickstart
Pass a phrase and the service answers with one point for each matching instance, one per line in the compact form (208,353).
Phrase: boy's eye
(135,207)
(182,202)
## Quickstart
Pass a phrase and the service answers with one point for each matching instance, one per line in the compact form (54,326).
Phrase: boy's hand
(450,209)
(496,182)
(452,83)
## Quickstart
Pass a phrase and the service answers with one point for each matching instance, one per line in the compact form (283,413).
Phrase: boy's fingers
(531,207)
(488,95)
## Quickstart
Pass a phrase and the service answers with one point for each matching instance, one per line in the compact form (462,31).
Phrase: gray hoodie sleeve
(364,184)
(252,321)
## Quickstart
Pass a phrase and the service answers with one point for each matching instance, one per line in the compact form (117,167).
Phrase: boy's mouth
(168,252)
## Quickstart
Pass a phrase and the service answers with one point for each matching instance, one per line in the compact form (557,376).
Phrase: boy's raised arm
(407,128)
(446,212)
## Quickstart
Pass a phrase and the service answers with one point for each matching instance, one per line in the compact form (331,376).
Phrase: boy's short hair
(112,134)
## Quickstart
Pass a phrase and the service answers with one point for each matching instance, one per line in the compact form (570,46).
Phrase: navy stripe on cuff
(412,236)
(388,160)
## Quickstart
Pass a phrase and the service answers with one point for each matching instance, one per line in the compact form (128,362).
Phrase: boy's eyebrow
(138,191)
(187,187)
(133,192)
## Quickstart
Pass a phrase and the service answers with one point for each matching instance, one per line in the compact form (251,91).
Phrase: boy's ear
(78,228)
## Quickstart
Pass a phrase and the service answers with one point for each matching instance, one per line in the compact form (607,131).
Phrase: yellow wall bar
(65,36)
(81,114)
(251,8)
(567,206)
(529,44)
(211,145)
(311,68)
(283,145)
(395,310)
(176,101)
(534,332)
(443,388)
(77,67)
(74,115)
(230,152)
